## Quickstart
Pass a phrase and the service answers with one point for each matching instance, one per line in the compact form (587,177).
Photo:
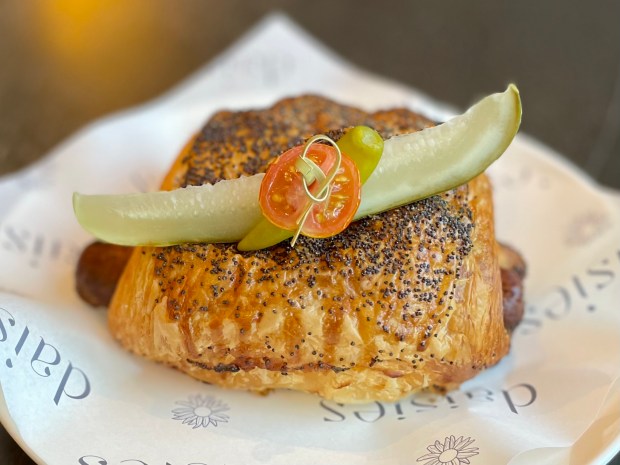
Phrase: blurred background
(64,63)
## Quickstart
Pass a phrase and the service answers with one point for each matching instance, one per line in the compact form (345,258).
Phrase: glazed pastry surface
(407,299)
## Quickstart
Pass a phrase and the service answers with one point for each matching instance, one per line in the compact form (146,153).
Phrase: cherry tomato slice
(283,199)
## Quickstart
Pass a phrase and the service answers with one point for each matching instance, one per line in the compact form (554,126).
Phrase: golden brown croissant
(407,299)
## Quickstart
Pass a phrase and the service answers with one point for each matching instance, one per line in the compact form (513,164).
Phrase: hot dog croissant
(407,299)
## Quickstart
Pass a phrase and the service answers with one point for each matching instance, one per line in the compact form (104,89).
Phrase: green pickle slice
(416,166)
(412,167)
(222,212)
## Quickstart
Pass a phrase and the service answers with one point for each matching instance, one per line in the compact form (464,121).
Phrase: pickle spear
(412,167)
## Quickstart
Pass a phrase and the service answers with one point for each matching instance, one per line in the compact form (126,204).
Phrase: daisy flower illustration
(452,452)
(200,411)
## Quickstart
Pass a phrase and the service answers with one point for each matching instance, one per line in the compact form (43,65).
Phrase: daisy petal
(458,443)
(428,457)
(434,449)
(431,461)
(467,442)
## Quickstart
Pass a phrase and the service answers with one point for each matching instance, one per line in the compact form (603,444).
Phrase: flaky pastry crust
(400,301)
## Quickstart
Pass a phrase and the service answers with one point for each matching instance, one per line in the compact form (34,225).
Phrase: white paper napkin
(71,395)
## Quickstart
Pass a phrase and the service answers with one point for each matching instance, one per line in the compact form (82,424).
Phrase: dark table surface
(64,63)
